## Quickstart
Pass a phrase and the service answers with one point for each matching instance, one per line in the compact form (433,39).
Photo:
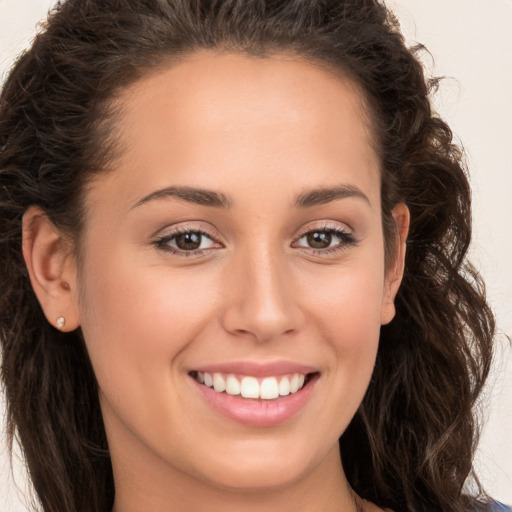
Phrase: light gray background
(471,41)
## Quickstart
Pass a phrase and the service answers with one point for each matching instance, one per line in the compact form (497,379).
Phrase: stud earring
(61,322)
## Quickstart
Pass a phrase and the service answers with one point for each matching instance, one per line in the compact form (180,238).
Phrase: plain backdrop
(470,42)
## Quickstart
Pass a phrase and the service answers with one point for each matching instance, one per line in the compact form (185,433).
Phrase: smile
(268,388)
(253,395)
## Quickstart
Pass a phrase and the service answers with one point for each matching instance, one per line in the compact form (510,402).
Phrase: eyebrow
(193,195)
(326,195)
(204,197)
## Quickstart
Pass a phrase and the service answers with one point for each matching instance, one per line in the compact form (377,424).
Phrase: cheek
(347,302)
(136,317)
(343,309)
(346,308)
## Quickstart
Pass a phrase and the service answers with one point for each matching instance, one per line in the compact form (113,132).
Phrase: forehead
(214,117)
(216,89)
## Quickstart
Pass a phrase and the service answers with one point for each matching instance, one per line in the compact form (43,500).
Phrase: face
(237,244)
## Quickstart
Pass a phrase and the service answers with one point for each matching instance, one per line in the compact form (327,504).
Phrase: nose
(262,301)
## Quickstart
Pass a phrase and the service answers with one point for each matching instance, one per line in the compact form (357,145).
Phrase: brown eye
(326,240)
(319,239)
(188,241)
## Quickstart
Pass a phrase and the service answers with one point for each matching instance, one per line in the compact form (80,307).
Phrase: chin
(267,469)
(257,480)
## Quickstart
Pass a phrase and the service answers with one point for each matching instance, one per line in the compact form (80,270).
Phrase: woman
(241,282)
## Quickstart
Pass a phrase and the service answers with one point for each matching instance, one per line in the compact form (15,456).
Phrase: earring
(61,322)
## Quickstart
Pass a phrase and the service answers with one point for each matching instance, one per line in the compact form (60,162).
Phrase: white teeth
(269,388)
(232,385)
(249,387)
(208,380)
(284,386)
(294,383)
(219,384)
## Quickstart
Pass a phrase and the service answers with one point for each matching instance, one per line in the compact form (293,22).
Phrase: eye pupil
(188,241)
(319,239)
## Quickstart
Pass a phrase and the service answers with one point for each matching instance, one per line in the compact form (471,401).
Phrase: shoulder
(491,506)
(495,506)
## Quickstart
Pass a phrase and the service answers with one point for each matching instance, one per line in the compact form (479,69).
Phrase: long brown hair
(411,443)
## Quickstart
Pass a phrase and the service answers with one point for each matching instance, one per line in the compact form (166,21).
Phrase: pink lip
(253,412)
(258,369)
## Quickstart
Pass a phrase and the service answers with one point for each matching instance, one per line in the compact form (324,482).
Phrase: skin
(261,132)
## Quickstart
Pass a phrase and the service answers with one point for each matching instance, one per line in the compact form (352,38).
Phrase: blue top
(494,506)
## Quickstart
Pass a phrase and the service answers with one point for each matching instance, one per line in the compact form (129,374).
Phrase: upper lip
(258,368)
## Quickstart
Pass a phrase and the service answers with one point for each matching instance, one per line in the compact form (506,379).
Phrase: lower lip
(257,413)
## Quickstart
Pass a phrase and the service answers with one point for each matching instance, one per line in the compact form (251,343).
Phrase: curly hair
(410,445)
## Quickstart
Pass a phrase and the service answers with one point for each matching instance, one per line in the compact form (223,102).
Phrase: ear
(395,270)
(51,266)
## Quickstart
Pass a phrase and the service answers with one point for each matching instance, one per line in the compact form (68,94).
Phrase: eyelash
(346,240)
(163,242)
